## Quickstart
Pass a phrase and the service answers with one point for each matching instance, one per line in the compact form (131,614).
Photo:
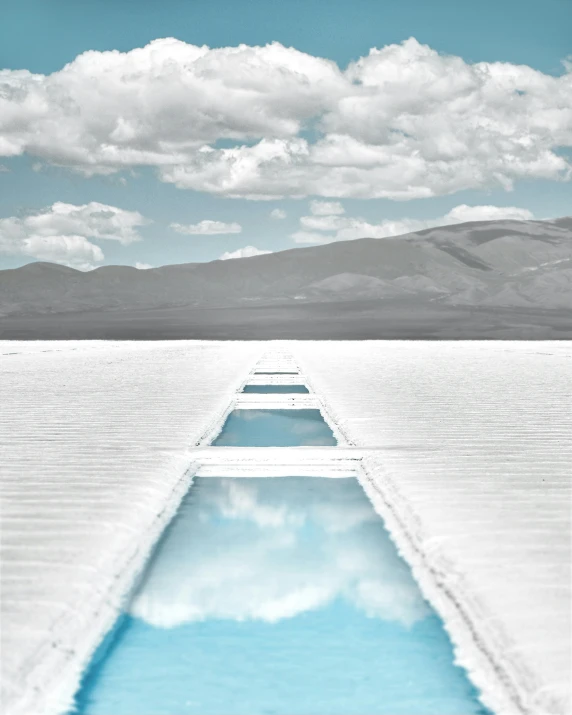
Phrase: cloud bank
(246,252)
(402,122)
(323,228)
(61,233)
(206,228)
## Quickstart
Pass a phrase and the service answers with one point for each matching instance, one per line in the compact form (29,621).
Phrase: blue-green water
(277,595)
(279,389)
(275,428)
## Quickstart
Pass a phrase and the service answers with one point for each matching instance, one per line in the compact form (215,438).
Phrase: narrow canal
(276,389)
(277,595)
(275,428)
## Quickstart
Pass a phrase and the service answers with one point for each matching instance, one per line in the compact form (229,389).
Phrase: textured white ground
(464,449)
(473,478)
(93,440)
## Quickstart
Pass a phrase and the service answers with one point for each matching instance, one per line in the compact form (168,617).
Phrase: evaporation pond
(278,389)
(275,428)
(277,595)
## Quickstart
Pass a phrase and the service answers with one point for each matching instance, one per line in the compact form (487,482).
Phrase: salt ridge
(437,428)
(94,466)
(471,473)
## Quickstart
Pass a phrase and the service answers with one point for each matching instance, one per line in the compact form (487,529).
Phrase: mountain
(507,270)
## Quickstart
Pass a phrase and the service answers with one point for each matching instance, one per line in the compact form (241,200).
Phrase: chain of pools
(276,595)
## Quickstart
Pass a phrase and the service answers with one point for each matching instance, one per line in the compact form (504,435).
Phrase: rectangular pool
(277,595)
(275,428)
(277,389)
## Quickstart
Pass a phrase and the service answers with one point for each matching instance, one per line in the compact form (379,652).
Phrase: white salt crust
(468,455)
(94,465)
(463,449)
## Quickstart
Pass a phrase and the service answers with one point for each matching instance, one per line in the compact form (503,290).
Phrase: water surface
(277,595)
(275,428)
(279,389)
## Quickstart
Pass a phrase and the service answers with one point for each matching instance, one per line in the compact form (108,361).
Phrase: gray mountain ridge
(478,279)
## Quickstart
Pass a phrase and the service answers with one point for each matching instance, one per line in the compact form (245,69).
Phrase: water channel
(280,596)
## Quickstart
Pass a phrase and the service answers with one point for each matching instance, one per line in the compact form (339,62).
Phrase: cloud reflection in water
(275,428)
(269,549)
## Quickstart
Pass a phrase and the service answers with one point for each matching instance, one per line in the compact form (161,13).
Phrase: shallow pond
(275,428)
(277,595)
(277,389)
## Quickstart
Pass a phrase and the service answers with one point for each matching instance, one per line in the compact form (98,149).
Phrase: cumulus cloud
(326,208)
(464,213)
(206,228)
(278,214)
(60,233)
(267,550)
(154,105)
(143,266)
(402,122)
(344,228)
(310,237)
(73,251)
(246,252)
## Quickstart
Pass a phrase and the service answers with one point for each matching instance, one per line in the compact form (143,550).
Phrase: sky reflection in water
(278,595)
(275,428)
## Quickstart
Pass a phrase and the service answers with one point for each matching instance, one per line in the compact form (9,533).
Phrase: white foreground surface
(473,479)
(464,450)
(95,440)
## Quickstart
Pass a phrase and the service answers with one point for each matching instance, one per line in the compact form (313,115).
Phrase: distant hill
(491,267)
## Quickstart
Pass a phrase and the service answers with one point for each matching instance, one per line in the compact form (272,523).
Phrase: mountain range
(480,279)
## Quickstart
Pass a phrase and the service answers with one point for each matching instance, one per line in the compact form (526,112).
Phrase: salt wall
(472,473)
(94,464)
(464,449)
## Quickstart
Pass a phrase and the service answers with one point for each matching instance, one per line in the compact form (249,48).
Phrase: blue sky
(519,32)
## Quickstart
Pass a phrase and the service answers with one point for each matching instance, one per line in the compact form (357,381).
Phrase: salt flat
(94,439)
(473,478)
(464,449)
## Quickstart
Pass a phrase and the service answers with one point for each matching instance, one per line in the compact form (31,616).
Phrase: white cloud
(403,122)
(74,251)
(278,214)
(206,228)
(325,223)
(326,208)
(465,213)
(268,170)
(60,233)
(156,104)
(310,237)
(344,228)
(246,252)
(143,266)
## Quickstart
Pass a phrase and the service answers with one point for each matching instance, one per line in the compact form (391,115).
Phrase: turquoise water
(275,428)
(283,596)
(280,389)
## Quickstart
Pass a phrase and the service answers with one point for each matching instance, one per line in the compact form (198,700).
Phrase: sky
(143,133)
